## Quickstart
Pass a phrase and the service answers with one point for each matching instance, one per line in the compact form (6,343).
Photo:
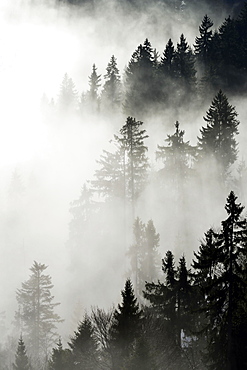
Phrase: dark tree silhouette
(217,141)
(221,266)
(60,358)
(84,347)
(111,94)
(21,358)
(126,327)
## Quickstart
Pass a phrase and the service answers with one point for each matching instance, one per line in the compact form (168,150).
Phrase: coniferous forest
(123,232)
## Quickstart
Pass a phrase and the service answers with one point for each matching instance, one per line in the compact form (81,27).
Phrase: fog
(39,43)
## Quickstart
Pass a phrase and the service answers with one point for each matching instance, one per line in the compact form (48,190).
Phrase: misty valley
(123,185)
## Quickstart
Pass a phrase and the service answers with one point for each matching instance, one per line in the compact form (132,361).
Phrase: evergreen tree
(141,92)
(111,94)
(167,60)
(172,298)
(126,327)
(225,291)
(61,359)
(217,139)
(110,177)
(67,99)
(81,210)
(37,311)
(21,359)
(123,174)
(185,72)
(202,43)
(167,73)
(136,162)
(228,44)
(144,255)
(93,94)
(84,347)
(177,158)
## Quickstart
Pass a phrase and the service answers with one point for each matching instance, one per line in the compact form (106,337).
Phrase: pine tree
(61,359)
(84,347)
(185,72)
(167,60)
(177,158)
(37,311)
(172,298)
(111,94)
(166,74)
(136,162)
(140,81)
(110,177)
(225,290)
(21,359)
(81,210)
(217,139)
(67,99)
(144,255)
(202,43)
(123,174)
(93,94)
(126,326)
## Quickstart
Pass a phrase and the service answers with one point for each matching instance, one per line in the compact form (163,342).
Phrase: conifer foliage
(217,139)
(21,358)
(84,347)
(126,327)
(36,313)
(221,269)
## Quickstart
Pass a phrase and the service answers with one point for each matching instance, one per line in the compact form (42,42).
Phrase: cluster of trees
(190,318)
(123,175)
(180,75)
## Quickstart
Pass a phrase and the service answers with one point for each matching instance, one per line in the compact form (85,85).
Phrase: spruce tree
(140,81)
(67,99)
(171,305)
(202,43)
(126,327)
(171,299)
(37,312)
(144,255)
(131,140)
(84,347)
(224,289)
(61,359)
(123,173)
(111,94)
(177,157)
(166,75)
(93,99)
(217,142)
(184,69)
(21,358)
(81,210)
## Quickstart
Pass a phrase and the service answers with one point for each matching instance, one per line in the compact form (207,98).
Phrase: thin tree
(93,93)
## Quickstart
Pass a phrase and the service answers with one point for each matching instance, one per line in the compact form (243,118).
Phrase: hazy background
(39,43)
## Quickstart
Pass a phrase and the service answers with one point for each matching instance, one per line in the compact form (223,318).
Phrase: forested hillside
(123,174)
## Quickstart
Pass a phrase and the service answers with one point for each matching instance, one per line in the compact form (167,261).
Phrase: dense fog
(47,156)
